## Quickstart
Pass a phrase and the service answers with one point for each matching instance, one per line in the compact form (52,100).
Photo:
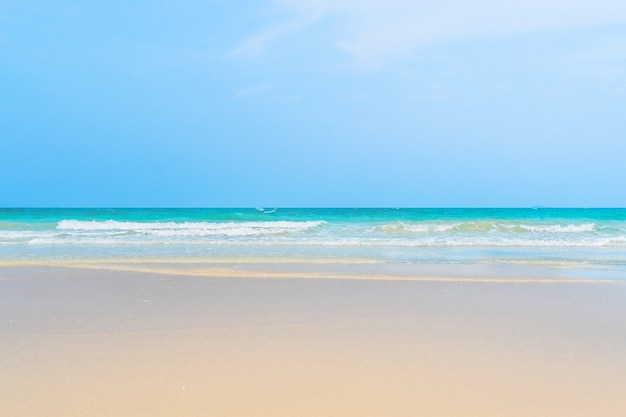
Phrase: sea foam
(173,229)
(482,227)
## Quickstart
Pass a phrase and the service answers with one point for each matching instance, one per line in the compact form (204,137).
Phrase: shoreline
(340,269)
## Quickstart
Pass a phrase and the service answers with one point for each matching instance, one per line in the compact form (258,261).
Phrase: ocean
(591,240)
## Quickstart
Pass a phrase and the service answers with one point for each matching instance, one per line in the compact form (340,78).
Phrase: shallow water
(580,240)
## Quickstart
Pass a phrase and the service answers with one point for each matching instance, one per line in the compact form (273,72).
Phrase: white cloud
(255,90)
(603,61)
(378,32)
(257,44)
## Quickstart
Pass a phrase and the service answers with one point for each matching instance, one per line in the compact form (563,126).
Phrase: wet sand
(98,342)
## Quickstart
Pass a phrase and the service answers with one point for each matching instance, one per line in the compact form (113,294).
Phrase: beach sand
(98,342)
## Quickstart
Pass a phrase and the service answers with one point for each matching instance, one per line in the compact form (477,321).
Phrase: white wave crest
(405,228)
(450,241)
(557,228)
(605,242)
(477,227)
(191,229)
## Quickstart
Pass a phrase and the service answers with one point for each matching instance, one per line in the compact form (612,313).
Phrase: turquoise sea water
(592,237)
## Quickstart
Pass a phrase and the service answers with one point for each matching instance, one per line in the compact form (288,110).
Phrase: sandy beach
(87,342)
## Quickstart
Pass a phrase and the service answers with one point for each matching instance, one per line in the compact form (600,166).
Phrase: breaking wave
(485,233)
(173,229)
(483,227)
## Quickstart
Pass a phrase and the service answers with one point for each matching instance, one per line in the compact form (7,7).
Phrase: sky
(313,103)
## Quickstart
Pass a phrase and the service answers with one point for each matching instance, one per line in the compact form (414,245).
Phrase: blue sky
(313,103)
